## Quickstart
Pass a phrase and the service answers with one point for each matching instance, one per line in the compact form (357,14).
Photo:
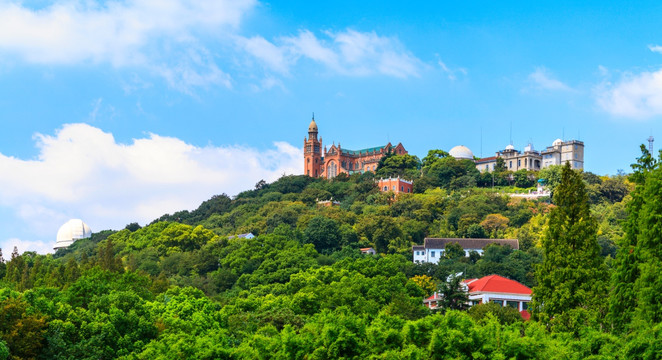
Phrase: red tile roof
(487,159)
(498,284)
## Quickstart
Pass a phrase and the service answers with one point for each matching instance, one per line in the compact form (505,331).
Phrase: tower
(312,152)
(650,144)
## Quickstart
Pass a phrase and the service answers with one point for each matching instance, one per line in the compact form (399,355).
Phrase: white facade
(433,249)
(558,154)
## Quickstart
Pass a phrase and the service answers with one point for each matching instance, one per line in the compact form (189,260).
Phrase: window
(332,170)
(385,188)
(498,302)
(308,173)
(393,187)
(510,164)
(525,305)
(408,189)
(513,304)
(402,188)
(432,254)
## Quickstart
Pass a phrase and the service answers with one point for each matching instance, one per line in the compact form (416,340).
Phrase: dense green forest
(185,287)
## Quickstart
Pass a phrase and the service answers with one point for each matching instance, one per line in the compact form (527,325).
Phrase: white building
(495,289)
(72,230)
(558,154)
(433,248)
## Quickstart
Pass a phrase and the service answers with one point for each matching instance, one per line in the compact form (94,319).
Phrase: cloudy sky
(121,111)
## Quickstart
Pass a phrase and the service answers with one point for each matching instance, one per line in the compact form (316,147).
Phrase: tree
(453,250)
(476,231)
(323,233)
(551,176)
(494,223)
(572,274)
(425,282)
(623,297)
(453,295)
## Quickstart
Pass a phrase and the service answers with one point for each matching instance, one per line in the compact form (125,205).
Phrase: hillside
(185,287)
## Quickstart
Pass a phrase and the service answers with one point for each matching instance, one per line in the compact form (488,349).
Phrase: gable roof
(375,149)
(486,160)
(440,243)
(497,284)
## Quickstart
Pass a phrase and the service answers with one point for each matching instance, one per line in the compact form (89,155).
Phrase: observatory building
(72,230)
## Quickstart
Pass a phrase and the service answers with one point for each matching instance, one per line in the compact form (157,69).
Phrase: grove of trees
(182,287)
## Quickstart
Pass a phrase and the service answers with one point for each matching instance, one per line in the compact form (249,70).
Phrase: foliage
(572,274)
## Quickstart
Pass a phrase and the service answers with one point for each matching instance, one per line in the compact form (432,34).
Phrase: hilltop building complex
(559,153)
(320,162)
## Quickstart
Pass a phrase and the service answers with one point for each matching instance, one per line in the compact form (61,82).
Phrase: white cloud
(450,72)
(543,79)
(41,247)
(136,33)
(349,53)
(633,96)
(655,48)
(82,172)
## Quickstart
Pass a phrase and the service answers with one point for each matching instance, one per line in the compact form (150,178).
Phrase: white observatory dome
(461,152)
(510,147)
(72,230)
(557,142)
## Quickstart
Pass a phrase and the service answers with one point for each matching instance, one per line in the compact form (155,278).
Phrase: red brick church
(337,160)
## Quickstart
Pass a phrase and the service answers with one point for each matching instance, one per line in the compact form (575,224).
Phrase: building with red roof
(493,288)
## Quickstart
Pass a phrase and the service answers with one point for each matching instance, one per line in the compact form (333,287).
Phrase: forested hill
(185,286)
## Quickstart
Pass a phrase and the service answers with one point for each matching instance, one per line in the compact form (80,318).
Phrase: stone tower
(312,152)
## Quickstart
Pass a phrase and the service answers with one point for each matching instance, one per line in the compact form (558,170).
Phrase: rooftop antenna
(511,133)
(563,134)
(650,144)
(481,142)
(313,115)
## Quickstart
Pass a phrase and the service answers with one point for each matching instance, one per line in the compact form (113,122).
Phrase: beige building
(564,151)
(530,159)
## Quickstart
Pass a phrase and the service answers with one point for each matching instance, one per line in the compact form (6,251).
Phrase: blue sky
(120,111)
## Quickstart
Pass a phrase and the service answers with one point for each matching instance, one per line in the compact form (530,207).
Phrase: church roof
(363,151)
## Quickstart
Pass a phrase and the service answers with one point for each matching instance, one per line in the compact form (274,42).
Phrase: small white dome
(461,152)
(557,142)
(72,230)
(510,147)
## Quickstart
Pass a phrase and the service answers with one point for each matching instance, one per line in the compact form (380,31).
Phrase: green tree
(623,297)
(453,250)
(453,295)
(323,233)
(572,274)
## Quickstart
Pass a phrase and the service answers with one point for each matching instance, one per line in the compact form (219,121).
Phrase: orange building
(320,162)
(396,185)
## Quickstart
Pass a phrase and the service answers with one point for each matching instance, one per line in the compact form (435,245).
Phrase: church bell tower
(312,152)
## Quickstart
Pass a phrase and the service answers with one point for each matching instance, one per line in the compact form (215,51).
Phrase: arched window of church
(332,170)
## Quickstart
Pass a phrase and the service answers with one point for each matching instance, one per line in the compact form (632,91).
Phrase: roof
(418,247)
(363,151)
(486,159)
(461,152)
(497,284)
(440,243)
(72,230)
